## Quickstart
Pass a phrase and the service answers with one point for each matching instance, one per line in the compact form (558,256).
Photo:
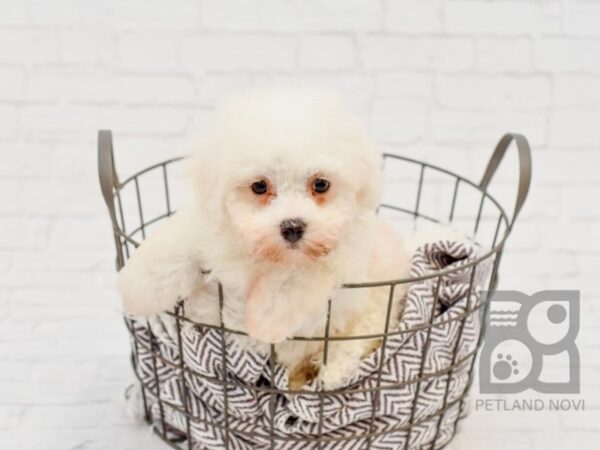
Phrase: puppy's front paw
(343,361)
(144,294)
(332,377)
(129,285)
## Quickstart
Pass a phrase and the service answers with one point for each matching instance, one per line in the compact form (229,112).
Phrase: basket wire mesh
(488,209)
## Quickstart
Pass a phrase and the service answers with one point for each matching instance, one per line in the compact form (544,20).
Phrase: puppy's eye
(320,185)
(259,187)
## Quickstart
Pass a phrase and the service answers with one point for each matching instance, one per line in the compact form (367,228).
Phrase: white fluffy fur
(273,290)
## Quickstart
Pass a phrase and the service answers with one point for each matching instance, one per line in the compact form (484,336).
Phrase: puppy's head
(287,172)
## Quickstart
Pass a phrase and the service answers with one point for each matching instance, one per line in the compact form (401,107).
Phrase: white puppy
(286,187)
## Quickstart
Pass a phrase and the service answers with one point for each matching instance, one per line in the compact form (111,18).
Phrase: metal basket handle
(524,168)
(108,183)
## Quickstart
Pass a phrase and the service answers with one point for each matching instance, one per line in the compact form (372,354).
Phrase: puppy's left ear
(370,178)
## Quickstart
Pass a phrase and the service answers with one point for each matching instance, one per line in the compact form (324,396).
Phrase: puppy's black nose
(292,229)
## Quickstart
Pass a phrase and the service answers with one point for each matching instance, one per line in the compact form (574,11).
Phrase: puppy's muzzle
(292,230)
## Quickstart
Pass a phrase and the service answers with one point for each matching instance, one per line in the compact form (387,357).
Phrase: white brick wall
(433,79)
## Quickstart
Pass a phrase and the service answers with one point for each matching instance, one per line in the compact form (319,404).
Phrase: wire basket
(440,196)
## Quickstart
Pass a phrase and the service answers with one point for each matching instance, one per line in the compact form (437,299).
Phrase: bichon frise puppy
(286,187)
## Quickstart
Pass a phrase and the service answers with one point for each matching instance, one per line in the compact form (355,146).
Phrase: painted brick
(395,121)
(157,15)
(405,85)
(85,46)
(559,54)
(13,83)
(505,55)
(504,93)
(327,53)
(581,17)
(28,45)
(149,51)
(503,18)
(391,52)
(475,126)
(574,127)
(577,90)
(238,52)
(8,121)
(414,16)
(17,233)
(294,15)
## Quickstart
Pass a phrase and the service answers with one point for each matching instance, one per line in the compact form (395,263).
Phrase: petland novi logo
(530,343)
